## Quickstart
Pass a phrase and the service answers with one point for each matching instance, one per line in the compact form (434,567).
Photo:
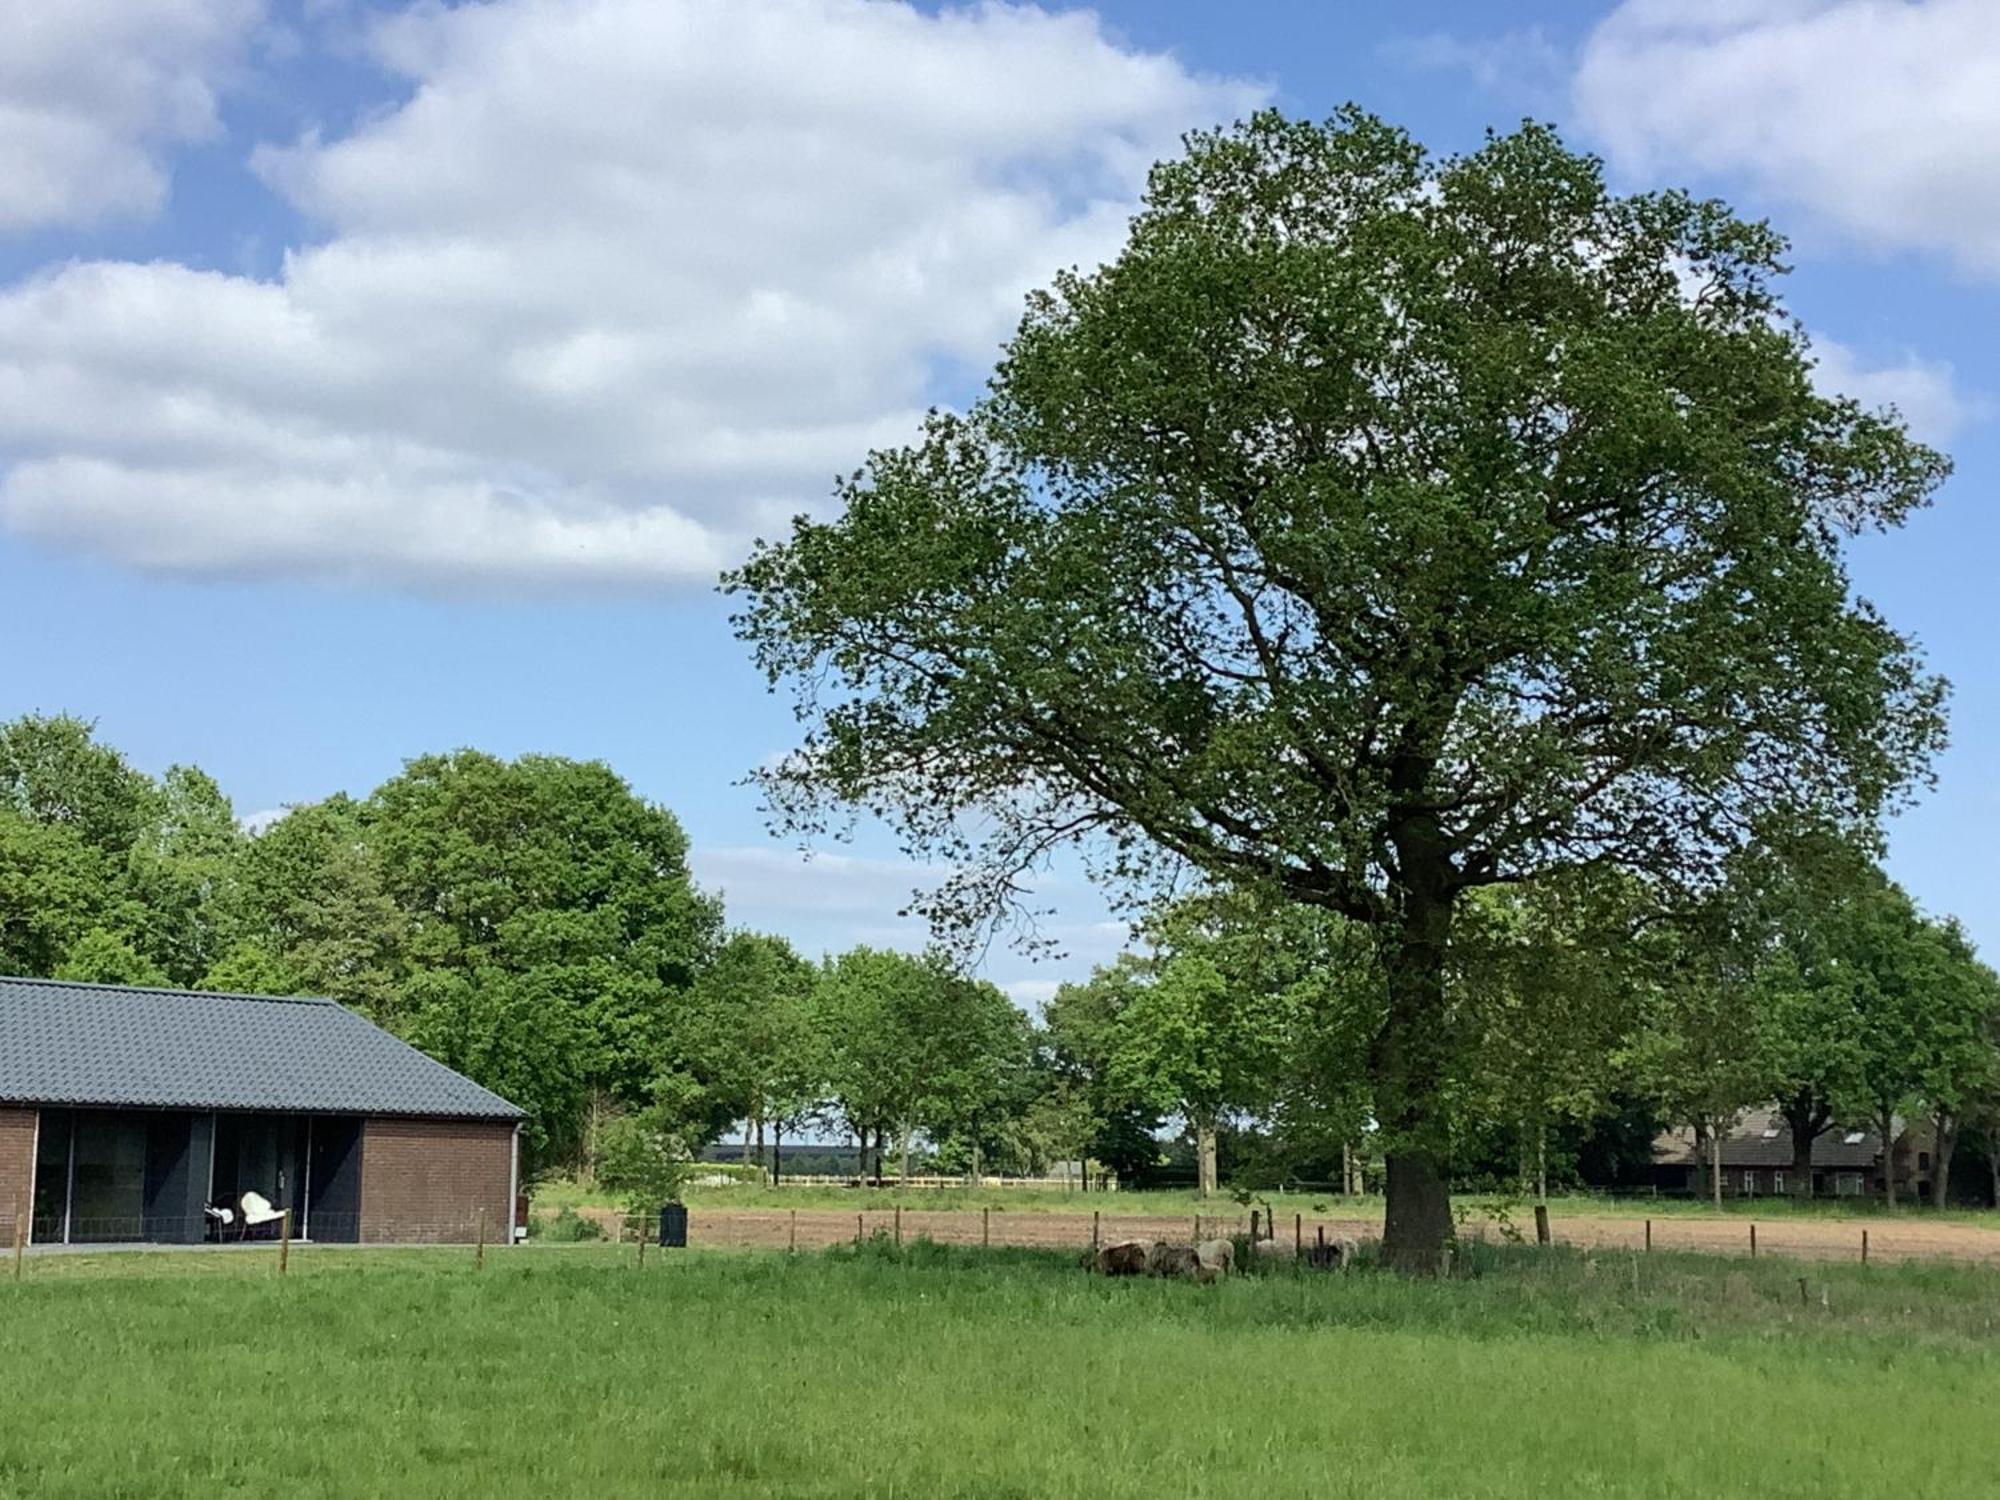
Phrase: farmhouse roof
(1761,1138)
(65,1043)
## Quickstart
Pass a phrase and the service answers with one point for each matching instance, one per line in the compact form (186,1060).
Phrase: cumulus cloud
(1926,392)
(1878,116)
(620,284)
(1527,67)
(775,882)
(94,92)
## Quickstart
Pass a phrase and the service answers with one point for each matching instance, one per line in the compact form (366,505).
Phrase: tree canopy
(1374,527)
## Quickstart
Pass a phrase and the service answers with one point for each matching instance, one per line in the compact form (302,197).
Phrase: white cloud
(1032,994)
(765,882)
(93,92)
(1878,116)
(1926,392)
(621,284)
(1527,66)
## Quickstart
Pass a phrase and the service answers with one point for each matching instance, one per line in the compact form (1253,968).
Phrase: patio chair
(257,1212)
(221,1218)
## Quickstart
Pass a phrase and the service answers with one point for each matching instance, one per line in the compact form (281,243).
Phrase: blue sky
(375,381)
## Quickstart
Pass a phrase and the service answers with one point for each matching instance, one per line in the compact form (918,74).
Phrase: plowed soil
(1905,1238)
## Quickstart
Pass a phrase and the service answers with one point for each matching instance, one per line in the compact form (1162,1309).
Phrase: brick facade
(17,1167)
(426,1181)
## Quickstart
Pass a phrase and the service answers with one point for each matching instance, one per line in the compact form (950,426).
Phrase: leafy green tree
(540,882)
(54,887)
(746,1039)
(101,957)
(909,1046)
(1961,1058)
(184,875)
(523,1035)
(1375,527)
(316,902)
(986,1074)
(1080,1022)
(1056,1121)
(250,968)
(54,771)
(644,1159)
(1550,995)
(1695,1050)
(71,811)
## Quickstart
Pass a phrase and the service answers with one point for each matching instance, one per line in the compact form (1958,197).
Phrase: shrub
(568,1227)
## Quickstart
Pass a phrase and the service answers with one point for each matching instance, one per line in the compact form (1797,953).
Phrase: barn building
(172,1116)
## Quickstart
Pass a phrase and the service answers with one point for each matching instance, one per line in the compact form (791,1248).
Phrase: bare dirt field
(1911,1238)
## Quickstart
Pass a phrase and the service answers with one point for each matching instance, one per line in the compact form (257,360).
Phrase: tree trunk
(1204,1158)
(1887,1121)
(903,1171)
(1542,1163)
(760,1138)
(746,1141)
(1808,1116)
(777,1151)
(1942,1147)
(1409,1058)
(1715,1165)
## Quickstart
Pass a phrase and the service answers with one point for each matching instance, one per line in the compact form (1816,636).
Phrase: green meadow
(932,1372)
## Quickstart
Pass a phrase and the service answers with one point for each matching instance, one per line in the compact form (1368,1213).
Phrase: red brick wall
(17,1168)
(425,1181)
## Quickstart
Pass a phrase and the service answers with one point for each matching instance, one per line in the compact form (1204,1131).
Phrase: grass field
(938,1372)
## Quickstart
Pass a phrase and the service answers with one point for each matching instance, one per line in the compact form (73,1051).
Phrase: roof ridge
(164,989)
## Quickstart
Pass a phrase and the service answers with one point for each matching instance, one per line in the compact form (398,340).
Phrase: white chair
(257,1211)
(219,1220)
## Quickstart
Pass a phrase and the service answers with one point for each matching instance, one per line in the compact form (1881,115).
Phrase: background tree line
(533,923)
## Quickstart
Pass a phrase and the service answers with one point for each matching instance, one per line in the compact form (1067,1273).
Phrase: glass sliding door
(108,1178)
(50,1222)
(261,1154)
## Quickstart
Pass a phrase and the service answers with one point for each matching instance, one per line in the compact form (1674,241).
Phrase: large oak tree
(1375,527)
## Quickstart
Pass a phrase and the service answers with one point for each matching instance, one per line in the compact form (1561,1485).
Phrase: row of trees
(533,923)
(1807,980)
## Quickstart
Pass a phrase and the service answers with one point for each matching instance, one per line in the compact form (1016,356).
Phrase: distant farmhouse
(1757,1161)
(175,1117)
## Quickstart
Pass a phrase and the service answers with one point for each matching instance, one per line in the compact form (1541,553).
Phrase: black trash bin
(674,1226)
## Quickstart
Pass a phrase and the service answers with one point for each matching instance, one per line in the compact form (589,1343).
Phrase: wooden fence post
(1864,1247)
(1753,1241)
(1093,1231)
(284,1240)
(479,1253)
(859,1228)
(1254,1236)
(20,1238)
(792,1244)
(642,1242)
(1542,1224)
(899,1226)
(1298,1235)
(985,1228)
(1649,1236)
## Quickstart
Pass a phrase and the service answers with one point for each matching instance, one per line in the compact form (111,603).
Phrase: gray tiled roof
(100,1044)
(1761,1138)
